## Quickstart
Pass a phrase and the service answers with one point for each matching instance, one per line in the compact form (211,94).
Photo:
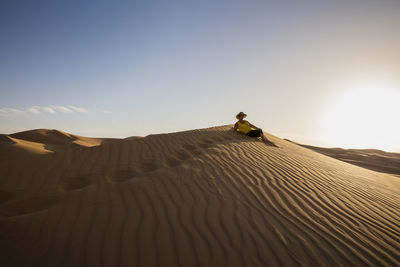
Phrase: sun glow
(364,116)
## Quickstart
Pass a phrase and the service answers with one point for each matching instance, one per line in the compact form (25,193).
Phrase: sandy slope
(206,197)
(39,142)
(373,159)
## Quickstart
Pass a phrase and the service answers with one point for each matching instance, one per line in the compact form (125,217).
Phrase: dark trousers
(255,133)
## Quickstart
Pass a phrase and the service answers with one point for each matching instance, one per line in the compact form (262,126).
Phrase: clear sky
(319,73)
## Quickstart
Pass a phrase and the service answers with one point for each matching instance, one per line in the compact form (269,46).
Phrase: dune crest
(373,159)
(34,143)
(6,139)
(45,136)
(205,197)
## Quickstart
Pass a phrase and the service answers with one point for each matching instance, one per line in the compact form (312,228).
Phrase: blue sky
(123,68)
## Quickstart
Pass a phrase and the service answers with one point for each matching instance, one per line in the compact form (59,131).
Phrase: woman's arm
(235,127)
(255,127)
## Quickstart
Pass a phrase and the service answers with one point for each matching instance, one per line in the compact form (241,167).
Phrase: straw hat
(241,113)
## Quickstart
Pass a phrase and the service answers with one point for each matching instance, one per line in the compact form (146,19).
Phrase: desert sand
(373,159)
(207,197)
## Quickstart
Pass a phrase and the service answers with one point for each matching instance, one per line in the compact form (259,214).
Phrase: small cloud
(48,110)
(62,109)
(78,109)
(52,109)
(34,110)
(10,111)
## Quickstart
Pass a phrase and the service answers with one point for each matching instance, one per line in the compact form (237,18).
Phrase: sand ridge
(207,197)
(34,143)
(373,159)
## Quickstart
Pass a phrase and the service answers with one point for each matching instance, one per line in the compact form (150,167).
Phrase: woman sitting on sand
(246,127)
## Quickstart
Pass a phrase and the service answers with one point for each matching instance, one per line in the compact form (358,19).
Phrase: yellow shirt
(244,127)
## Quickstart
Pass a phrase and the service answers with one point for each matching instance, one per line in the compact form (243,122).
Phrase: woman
(246,127)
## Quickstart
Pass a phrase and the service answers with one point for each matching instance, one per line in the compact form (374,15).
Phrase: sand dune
(39,142)
(13,148)
(373,159)
(207,197)
(59,138)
